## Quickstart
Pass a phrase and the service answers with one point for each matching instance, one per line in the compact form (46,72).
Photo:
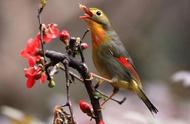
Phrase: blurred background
(156,34)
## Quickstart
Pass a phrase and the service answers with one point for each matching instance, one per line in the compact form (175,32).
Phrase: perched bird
(110,57)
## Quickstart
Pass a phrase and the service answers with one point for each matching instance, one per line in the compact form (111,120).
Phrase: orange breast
(97,33)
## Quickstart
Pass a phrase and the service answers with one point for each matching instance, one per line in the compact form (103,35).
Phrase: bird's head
(94,15)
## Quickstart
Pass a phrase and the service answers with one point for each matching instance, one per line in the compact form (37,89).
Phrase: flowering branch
(41,68)
(85,74)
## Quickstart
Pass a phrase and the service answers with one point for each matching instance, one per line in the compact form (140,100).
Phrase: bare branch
(65,62)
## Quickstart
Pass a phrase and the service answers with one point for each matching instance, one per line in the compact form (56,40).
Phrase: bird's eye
(98,13)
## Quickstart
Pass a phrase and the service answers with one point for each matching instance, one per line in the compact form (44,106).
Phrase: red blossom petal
(51,32)
(30,50)
(30,82)
(32,74)
(29,72)
(43,78)
(54,30)
(31,61)
(33,45)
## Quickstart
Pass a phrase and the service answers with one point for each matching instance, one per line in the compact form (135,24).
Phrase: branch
(73,75)
(90,89)
(83,71)
(65,62)
(41,29)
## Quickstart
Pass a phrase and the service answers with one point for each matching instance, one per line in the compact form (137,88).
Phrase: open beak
(87,13)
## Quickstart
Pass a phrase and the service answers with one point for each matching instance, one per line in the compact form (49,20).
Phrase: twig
(72,74)
(81,80)
(79,47)
(41,30)
(65,63)
(84,35)
(80,51)
(42,40)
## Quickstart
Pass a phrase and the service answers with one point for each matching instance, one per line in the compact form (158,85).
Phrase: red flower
(85,107)
(35,72)
(33,45)
(29,52)
(32,74)
(64,36)
(50,32)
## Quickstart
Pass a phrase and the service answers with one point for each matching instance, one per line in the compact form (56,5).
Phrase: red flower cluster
(35,70)
(29,52)
(34,73)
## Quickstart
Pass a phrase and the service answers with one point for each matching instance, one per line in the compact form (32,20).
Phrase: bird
(110,57)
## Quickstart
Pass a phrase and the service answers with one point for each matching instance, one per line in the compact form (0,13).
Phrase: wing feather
(129,66)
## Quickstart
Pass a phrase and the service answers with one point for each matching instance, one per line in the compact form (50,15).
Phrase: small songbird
(110,57)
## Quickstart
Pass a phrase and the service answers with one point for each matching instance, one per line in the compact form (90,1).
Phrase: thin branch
(55,56)
(85,33)
(65,62)
(41,30)
(79,47)
(72,74)
(81,80)
(90,89)
(80,51)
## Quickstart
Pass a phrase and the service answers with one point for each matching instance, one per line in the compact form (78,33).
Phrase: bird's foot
(90,78)
(99,82)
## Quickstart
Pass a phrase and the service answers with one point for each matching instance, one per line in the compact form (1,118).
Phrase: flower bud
(84,45)
(64,37)
(43,2)
(101,122)
(51,83)
(85,107)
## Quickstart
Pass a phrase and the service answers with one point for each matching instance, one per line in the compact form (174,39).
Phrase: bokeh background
(156,34)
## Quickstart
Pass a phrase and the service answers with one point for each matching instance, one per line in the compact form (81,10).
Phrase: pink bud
(101,122)
(64,36)
(84,45)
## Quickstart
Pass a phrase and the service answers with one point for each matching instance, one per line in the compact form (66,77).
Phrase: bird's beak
(87,13)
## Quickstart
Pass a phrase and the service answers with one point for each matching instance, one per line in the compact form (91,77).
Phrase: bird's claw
(122,101)
(90,78)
